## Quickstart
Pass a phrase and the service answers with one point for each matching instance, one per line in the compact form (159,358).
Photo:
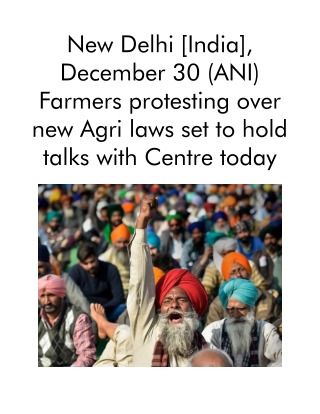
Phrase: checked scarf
(251,358)
(161,359)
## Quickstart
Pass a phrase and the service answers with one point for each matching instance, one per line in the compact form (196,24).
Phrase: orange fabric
(229,201)
(128,207)
(189,283)
(214,189)
(222,189)
(158,273)
(56,269)
(65,197)
(120,232)
(231,258)
(233,221)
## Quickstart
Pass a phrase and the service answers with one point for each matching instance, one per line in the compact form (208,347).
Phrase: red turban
(188,282)
(52,284)
(209,206)
(231,258)
(120,232)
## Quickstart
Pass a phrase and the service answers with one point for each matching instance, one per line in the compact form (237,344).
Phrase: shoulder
(266,328)
(188,243)
(107,267)
(78,312)
(212,330)
(257,241)
(75,269)
(165,234)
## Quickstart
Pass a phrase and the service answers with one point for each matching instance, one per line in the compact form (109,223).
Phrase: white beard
(177,339)
(240,333)
(225,229)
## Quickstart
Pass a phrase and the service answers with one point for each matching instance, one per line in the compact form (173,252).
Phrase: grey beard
(240,333)
(122,256)
(225,229)
(68,212)
(177,339)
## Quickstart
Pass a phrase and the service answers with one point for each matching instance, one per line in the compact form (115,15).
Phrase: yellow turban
(55,195)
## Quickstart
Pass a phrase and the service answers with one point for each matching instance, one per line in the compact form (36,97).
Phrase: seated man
(250,343)
(236,265)
(163,318)
(267,257)
(193,247)
(99,281)
(213,279)
(247,244)
(117,254)
(65,336)
(73,293)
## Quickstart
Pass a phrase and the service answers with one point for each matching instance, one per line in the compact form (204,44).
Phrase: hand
(77,234)
(148,208)
(206,254)
(98,195)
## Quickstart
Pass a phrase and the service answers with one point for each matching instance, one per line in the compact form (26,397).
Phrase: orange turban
(231,188)
(128,207)
(214,189)
(230,201)
(222,189)
(120,232)
(188,282)
(65,197)
(231,258)
(52,284)
(158,273)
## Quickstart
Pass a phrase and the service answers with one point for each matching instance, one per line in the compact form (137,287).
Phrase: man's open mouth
(175,318)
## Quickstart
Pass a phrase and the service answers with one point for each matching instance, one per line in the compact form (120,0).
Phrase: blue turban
(218,215)
(43,253)
(241,289)
(153,239)
(42,203)
(161,200)
(173,192)
(197,225)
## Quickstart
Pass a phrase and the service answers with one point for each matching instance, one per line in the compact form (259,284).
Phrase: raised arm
(141,296)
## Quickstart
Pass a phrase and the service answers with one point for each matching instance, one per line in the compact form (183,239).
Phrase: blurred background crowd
(196,225)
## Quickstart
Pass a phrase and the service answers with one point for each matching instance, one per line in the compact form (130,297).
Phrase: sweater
(104,288)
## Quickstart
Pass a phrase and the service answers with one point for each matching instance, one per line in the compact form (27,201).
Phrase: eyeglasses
(241,310)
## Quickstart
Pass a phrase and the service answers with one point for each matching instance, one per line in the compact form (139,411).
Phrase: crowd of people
(158,275)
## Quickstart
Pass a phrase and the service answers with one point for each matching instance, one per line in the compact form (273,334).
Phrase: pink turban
(52,284)
(188,282)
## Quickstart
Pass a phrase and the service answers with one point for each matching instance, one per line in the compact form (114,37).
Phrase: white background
(283,37)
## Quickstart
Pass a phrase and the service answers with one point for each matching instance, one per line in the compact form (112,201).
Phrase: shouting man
(163,318)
